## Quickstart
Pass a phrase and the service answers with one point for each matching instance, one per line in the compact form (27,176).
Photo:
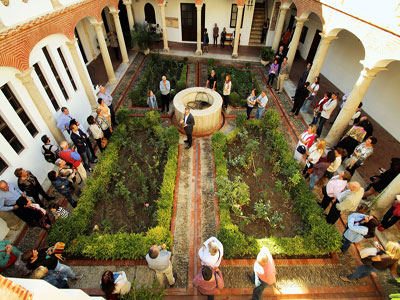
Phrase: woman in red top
(319,106)
(208,281)
(306,139)
(391,216)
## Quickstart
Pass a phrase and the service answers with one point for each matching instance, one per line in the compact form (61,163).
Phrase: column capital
(240,2)
(161,2)
(199,6)
(26,75)
(327,38)
(127,2)
(71,43)
(97,26)
(371,72)
(115,13)
(301,20)
(284,8)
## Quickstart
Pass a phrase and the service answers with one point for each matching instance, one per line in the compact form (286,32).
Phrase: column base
(125,62)
(166,49)
(199,52)
(235,55)
(112,80)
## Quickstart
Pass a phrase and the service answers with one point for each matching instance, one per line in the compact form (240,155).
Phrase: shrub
(123,115)
(271,120)
(218,141)
(154,292)
(180,85)
(137,98)
(234,99)
(241,120)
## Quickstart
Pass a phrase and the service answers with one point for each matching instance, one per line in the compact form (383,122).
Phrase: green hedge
(121,245)
(320,237)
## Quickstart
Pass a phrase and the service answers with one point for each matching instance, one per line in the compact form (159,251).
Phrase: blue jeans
(346,245)
(361,272)
(259,113)
(313,181)
(258,288)
(315,119)
(86,157)
(306,104)
(65,270)
(71,200)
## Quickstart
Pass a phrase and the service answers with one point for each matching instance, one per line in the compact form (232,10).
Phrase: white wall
(216,12)
(77,103)
(313,24)
(381,101)
(342,63)
(18,11)
(30,158)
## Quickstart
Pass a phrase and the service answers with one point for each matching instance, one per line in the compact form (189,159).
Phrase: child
(58,211)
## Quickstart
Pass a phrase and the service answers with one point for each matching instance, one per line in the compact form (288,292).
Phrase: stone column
(386,198)
(40,103)
(295,41)
(56,4)
(352,102)
(237,31)
(128,4)
(120,35)
(319,58)
(198,8)
(104,52)
(279,28)
(85,80)
(164,27)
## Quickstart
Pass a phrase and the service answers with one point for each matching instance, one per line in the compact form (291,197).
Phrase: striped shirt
(61,213)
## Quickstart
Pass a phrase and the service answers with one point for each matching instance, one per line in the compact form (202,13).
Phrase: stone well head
(205,106)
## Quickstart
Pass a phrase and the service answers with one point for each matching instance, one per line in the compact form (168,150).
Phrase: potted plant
(142,37)
(266,54)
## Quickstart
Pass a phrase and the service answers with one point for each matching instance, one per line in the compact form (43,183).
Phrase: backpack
(49,156)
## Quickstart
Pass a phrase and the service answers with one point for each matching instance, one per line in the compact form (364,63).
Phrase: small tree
(142,37)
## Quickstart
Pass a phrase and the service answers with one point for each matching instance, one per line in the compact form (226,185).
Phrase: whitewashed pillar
(295,40)
(120,35)
(279,28)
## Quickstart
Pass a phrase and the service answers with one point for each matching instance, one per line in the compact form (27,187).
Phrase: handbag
(57,249)
(104,142)
(310,170)
(301,149)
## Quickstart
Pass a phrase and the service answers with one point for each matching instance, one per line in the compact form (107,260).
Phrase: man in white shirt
(262,102)
(327,110)
(211,253)
(108,100)
(158,259)
(348,202)
(165,88)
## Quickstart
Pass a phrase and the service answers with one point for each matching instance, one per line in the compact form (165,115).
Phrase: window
(3,166)
(303,34)
(234,16)
(55,73)
(46,87)
(66,68)
(18,109)
(10,136)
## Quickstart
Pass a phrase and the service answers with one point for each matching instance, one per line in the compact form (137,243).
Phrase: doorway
(149,14)
(123,17)
(314,46)
(189,21)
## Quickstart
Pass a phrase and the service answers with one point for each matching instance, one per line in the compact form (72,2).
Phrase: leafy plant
(153,292)
(142,37)
(267,53)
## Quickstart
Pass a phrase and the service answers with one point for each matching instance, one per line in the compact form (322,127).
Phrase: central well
(205,106)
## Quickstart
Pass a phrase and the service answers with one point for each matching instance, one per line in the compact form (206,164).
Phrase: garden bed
(135,181)
(269,210)
(174,70)
(313,238)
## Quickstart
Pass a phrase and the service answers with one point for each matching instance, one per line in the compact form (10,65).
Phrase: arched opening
(150,14)
(342,64)
(123,18)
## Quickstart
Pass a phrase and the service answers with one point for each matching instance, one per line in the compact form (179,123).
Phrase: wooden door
(314,46)
(189,22)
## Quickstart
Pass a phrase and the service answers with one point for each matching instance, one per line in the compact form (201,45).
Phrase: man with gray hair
(9,194)
(158,259)
(165,88)
(348,201)
(211,253)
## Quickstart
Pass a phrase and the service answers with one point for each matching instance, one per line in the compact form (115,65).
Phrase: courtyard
(147,189)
